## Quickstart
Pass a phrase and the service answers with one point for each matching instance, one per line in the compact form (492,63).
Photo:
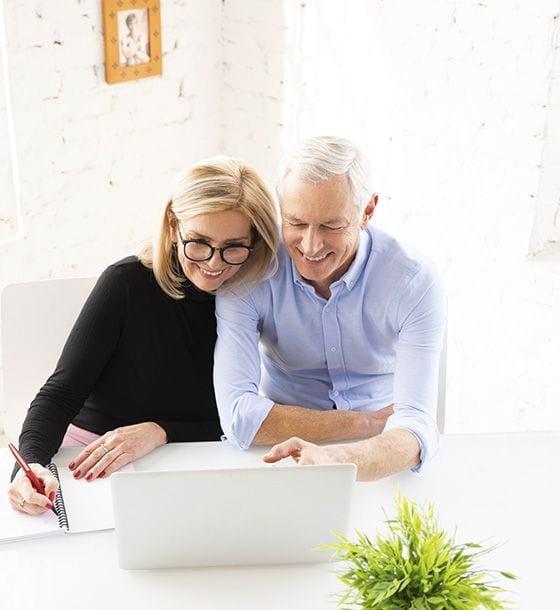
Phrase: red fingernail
(49,505)
(52,495)
(89,476)
(72,465)
(102,474)
(77,474)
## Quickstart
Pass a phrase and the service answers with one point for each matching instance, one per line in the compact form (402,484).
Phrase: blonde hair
(216,185)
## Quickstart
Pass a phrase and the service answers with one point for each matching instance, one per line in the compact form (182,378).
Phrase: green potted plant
(417,566)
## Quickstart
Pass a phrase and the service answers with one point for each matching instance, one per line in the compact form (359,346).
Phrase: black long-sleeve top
(133,355)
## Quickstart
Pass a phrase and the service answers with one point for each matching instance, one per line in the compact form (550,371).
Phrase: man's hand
(303,452)
(117,448)
(375,457)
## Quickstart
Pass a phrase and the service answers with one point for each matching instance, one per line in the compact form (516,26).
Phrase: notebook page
(89,506)
(15,525)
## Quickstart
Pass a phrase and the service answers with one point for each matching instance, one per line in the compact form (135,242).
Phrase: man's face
(321,228)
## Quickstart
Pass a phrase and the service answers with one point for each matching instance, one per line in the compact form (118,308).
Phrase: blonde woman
(136,370)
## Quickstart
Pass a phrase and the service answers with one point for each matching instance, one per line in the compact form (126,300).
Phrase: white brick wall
(253,39)
(97,160)
(8,195)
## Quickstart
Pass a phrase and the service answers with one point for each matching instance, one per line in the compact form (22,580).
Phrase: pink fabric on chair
(77,437)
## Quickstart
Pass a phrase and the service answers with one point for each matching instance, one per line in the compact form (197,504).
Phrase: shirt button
(335,393)
(333,349)
(327,308)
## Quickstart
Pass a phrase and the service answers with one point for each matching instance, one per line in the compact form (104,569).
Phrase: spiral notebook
(80,506)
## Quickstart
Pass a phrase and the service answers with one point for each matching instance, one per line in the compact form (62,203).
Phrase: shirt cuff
(248,415)
(424,430)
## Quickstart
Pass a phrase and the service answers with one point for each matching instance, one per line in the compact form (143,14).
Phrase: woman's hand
(117,448)
(24,498)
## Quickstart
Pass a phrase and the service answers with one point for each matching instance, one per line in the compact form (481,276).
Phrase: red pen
(27,470)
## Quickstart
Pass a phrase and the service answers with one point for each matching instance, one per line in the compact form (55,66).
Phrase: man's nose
(311,241)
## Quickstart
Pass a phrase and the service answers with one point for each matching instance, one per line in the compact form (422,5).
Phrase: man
(350,328)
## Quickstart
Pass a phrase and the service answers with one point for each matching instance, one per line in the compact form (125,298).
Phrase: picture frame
(132,36)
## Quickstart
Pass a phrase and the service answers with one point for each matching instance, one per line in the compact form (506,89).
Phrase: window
(545,238)
(8,191)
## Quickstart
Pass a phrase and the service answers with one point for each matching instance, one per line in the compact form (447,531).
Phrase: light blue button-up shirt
(374,342)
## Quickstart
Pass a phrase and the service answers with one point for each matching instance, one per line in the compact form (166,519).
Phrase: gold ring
(21,502)
(105,448)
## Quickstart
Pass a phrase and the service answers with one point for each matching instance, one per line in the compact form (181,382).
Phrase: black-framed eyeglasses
(198,251)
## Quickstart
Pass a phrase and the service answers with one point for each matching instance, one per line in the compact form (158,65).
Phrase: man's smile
(314,259)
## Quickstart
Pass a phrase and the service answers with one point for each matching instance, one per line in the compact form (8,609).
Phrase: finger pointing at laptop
(304,453)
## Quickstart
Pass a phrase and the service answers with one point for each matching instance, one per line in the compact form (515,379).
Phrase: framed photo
(132,32)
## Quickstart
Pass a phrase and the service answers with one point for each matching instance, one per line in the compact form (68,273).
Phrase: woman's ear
(171,223)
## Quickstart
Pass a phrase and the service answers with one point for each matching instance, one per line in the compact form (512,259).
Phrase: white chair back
(36,318)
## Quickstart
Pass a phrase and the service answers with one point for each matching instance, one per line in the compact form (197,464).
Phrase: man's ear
(369,210)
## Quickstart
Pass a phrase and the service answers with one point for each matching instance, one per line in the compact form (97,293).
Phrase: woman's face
(219,229)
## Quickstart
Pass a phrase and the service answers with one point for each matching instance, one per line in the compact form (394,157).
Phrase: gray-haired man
(350,329)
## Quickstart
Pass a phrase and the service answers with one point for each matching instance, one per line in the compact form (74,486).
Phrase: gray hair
(321,157)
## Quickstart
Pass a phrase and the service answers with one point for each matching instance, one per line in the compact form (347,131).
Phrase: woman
(136,370)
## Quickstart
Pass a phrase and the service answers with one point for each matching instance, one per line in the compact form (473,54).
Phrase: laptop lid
(230,517)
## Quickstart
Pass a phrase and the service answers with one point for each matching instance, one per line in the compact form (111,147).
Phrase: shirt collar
(351,277)
(354,271)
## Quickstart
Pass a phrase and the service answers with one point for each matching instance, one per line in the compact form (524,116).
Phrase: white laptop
(242,516)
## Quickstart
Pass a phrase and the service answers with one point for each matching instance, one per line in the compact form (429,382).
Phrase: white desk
(494,488)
